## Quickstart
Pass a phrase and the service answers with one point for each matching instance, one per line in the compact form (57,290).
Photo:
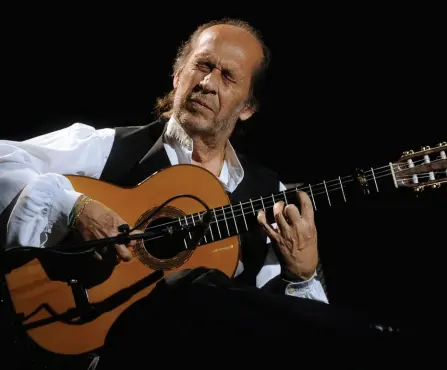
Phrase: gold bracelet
(85,200)
(74,210)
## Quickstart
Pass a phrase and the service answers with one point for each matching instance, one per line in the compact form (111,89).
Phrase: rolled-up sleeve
(35,195)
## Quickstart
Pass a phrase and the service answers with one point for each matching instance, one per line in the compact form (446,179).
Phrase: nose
(210,82)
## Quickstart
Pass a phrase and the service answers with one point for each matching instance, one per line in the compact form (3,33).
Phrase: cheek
(190,79)
(229,104)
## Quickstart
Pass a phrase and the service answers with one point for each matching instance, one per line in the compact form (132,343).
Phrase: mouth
(199,103)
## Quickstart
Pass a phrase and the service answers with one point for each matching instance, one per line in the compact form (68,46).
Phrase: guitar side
(31,288)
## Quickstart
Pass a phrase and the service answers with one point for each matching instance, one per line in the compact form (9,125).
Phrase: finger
(97,256)
(292,213)
(123,252)
(271,233)
(307,210)
(134,241)
(278,212)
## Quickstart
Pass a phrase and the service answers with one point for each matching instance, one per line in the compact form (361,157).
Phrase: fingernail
(97,256)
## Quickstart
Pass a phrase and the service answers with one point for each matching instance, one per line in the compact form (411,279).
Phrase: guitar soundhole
(165,247)
(167,252)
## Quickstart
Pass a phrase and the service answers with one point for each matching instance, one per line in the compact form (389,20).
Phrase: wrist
(296,276)
(77,210)
(62,204)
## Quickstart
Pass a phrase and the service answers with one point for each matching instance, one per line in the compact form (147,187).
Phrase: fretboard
(237,218)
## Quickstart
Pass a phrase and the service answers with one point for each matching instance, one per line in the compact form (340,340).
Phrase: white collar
(232,172)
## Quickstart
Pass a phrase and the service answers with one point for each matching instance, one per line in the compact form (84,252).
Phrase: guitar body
(30,286)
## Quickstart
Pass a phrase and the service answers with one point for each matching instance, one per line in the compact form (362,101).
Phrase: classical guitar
(67,302)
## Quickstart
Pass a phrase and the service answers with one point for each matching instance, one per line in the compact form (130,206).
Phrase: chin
(194,122)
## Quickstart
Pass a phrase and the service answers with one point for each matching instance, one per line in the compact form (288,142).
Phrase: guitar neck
(240,217)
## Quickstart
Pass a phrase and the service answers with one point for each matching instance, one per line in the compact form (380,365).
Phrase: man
(216,75)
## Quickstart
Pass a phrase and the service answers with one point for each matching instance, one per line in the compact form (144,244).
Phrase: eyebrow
(208,58)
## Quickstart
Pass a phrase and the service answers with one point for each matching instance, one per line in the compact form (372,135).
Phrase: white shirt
(31,171)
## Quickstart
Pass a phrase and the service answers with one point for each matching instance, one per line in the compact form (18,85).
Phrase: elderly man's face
(213,87)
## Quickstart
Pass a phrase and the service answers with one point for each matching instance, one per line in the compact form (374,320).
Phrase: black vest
(138,152)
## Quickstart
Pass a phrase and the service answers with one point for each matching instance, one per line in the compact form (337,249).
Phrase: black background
(348,87)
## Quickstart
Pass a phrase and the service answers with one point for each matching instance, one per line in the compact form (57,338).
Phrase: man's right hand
(98,221)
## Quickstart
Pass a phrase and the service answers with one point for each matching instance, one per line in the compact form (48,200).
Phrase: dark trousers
(200,317)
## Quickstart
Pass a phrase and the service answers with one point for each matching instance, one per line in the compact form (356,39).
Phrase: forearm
(35,199)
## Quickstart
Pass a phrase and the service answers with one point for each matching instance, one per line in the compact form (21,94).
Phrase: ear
(247,112)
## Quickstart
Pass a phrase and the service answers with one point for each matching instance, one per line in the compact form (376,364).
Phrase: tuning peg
(443,143)
(419,188)
(425,147)
(408,152)
(436,186)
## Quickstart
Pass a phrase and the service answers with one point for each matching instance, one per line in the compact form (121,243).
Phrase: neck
(208,150)
(241,216)
(209,154)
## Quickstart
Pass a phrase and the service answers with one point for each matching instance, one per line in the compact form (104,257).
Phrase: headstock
(424,168)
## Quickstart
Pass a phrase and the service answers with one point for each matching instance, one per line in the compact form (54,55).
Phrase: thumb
(123,252)
(271,233)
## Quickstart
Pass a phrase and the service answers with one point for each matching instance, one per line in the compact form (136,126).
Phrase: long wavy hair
(164,104)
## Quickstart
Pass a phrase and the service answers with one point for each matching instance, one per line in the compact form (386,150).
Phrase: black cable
(122,238)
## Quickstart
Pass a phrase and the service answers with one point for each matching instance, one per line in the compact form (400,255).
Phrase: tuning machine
(408,152)
(420,189)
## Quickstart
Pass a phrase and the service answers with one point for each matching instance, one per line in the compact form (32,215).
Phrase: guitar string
(267,206)
(384,170)
(374,173)
(400,168)
(228,213)
(316,187)
(398,171)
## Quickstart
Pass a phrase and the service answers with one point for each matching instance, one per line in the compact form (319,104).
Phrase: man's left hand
(296,237)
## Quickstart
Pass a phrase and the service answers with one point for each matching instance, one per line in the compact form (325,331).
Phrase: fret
(285,198)
(234,219)
(312,195)
(374,176)
(226,223)
(184,240)
(217,222)
(273,197)
(253,208)
(210,227)
(243,215)
(186,222)
(262,201)
(341,185)
(198,217)
(328,199)
(393,175)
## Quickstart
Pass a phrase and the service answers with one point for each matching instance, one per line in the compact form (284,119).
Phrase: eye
(204,66)
(228,76)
